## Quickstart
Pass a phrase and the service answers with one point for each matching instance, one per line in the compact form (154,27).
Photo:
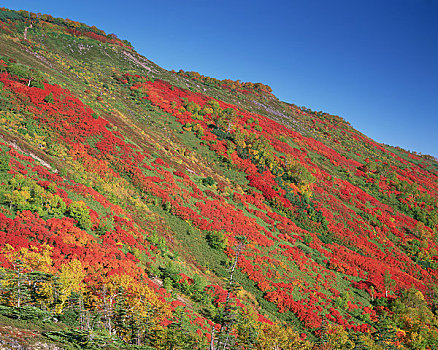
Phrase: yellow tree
(71,278)
(299,175)
(240,136)
(413,315)
(336,338)
(145,310)
(107,294)
(31,271)
(279,337)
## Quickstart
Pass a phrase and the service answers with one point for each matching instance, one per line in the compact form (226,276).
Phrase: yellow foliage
(206,110)
(337,338)
(278,336)
(419,295)
(31,259)
(71,276)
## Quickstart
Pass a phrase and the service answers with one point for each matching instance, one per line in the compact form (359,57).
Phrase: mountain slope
(142,207)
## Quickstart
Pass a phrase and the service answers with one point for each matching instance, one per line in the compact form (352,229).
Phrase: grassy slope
(87,68)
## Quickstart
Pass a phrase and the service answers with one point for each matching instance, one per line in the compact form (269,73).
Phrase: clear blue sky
(375,63)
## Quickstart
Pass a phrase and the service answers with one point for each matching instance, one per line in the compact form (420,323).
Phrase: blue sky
(374,63)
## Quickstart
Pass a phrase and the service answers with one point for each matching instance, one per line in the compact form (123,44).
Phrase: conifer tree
(385,334)
(229,313)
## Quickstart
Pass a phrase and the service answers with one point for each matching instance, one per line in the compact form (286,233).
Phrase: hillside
(142,208)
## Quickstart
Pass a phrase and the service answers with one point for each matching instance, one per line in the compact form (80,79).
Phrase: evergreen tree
(385,334)
(230,312)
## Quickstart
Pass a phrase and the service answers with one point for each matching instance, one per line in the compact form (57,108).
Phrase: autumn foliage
(125,202)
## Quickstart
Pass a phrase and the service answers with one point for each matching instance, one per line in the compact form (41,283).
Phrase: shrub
(79,211)
(217,239)
(208,181)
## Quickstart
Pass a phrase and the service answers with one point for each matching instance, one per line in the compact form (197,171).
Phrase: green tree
(385,334)
(412,314)
(79,211)
(217,239)
(229,313)
(226,119)
(298,174)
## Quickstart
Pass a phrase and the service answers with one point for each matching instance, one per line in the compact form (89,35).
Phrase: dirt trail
(25,31)
(137,61)
(13,143)
(30,154)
